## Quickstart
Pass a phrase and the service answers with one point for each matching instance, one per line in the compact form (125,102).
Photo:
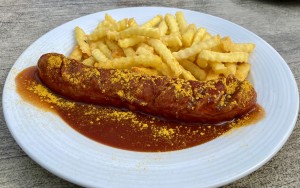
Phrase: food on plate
(160,86)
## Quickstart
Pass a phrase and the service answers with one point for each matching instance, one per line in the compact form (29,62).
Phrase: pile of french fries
(164,45)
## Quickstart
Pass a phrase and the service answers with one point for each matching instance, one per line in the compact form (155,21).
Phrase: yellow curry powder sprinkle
(48,97)
(246,87)
(55,61)
(163,132)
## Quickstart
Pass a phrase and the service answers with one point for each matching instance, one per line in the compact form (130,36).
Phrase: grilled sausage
(192,101)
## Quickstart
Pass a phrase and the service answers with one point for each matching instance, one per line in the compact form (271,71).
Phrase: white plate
(50,142)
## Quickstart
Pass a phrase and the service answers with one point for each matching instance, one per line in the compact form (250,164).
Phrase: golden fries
(81,39)
(188,35)
(171,40)
(76,53)
(229,46)
(196,48)
(99,56)
(129,52)
(140,31)
(242,71)
(149,61)
(89,61)
(187,75)
(144,49)
(198,73)
(181,21)
(104,49)
(164,45)
(132,41)
(153,22)
(148,71)
(166,55)
(199,35)
(172,24)
(224,57)
(163,28)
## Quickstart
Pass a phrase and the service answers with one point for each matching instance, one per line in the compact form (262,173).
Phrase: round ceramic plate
(50,142)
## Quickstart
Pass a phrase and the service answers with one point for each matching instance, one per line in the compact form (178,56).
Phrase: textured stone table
(22,22)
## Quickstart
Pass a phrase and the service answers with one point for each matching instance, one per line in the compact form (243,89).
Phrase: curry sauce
(122,128)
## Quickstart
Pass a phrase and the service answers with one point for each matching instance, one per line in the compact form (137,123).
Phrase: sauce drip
(122,128)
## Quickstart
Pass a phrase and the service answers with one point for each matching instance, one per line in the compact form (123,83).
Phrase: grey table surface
(23,22)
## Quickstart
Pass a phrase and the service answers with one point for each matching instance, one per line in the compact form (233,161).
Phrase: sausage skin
(212,101)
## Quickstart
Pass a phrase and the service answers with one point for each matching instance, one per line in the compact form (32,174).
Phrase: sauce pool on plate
(122,128)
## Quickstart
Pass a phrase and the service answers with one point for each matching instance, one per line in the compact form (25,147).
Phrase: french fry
(122,24)
(206,36)
(99,56)
(171,40)
(196,48)
(153,22)
(230,46)
(242,47)
(231,67)
(187,75)
(146,46)
(97,34)
(211,75)
(129,52)
(224,57)
(188,35)
(166,55)
(144,49)
(242,71)
(128,42)
(172,24)
(199,35)
(76,53)
(112,35)
(93,45)
(150,61)
(219,68)
(217,48)
(175,48)
(163,28)
(201,62)
(104,49)
(116,51)
(198,73)
(147,71)
(82,39)
(238,47)
(100,25)
(141,31)
(226,43)
(110,18)
(89,61)
(181,21)
(132,22)
(192,58)
(112,23)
